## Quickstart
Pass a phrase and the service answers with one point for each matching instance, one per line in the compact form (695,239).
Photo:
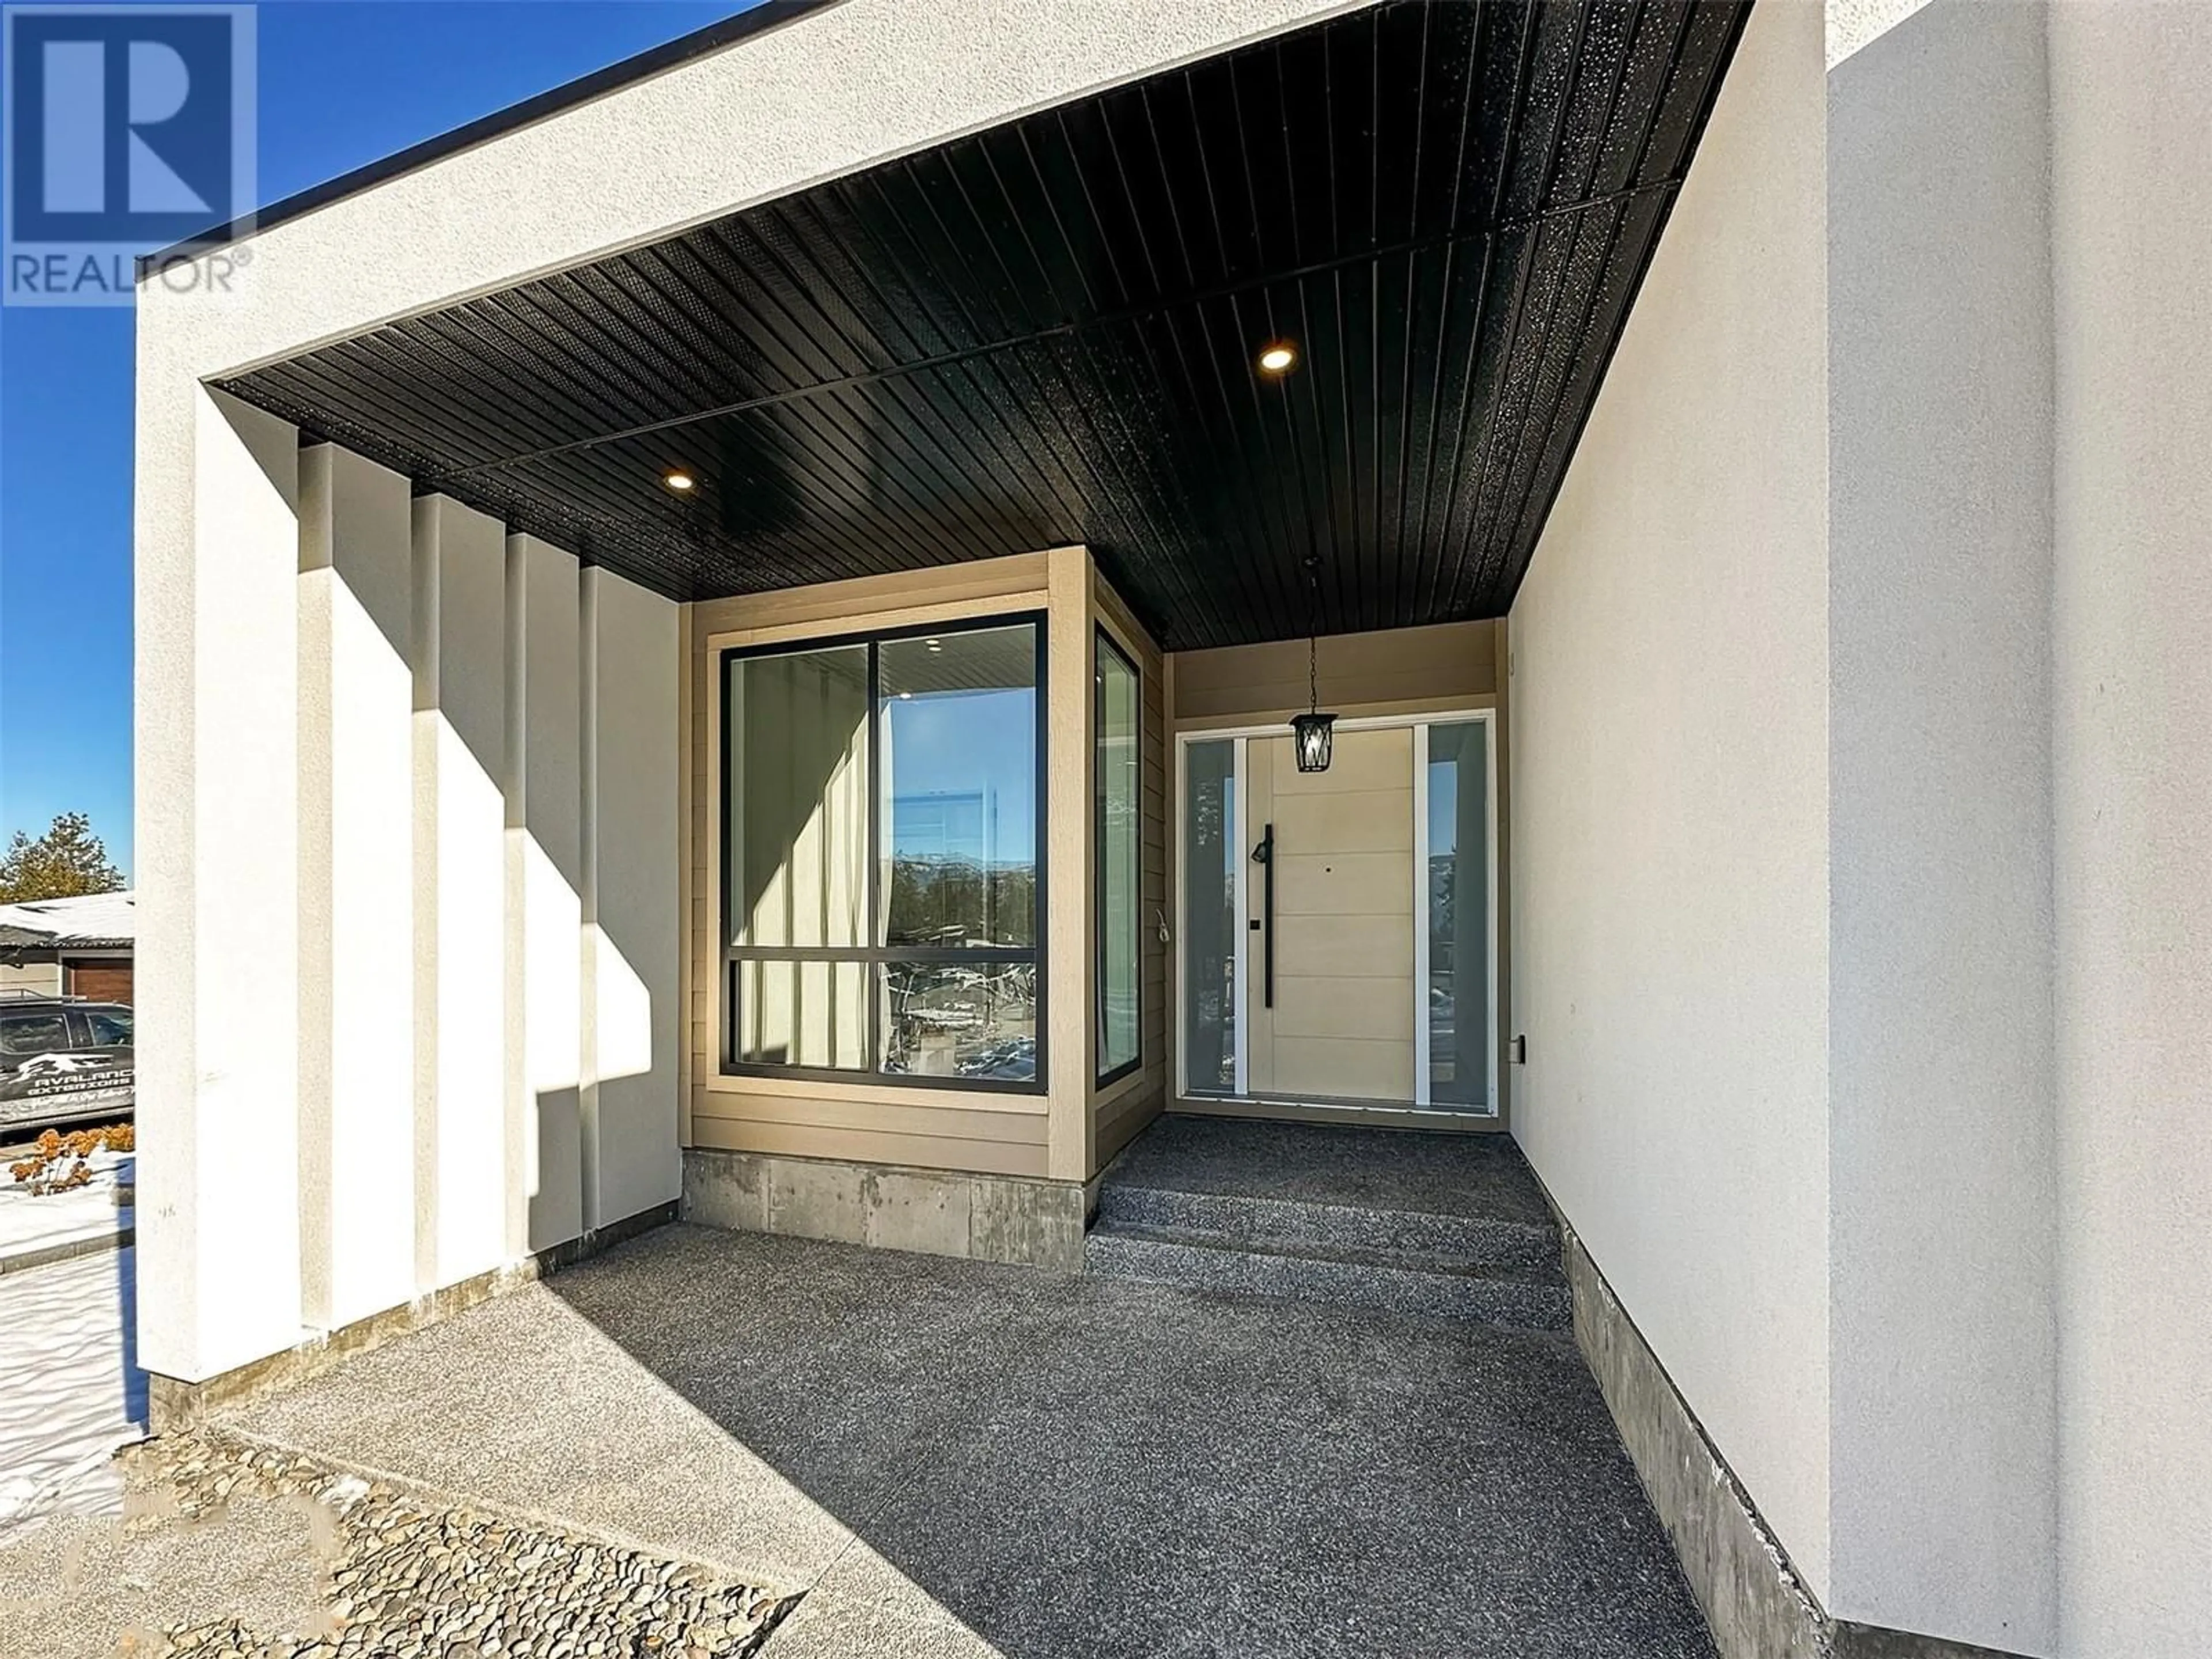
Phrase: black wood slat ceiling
(1046,333)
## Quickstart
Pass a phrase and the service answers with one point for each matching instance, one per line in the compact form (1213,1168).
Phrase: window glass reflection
(958,1020)
(803,1013)
(796,812)
(1459,916)
(1117,828)
(1210,854)
(957,788)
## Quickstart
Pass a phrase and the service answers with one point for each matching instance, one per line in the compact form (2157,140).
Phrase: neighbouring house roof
(92,920)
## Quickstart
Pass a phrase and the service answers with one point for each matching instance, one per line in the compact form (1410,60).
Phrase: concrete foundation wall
(2132,241)
(986,1217)
(1668,715)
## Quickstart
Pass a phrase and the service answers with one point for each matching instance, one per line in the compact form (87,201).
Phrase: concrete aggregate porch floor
(954,1458)
(1469,1176)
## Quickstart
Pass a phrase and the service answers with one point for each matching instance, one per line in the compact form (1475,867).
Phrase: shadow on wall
(485,728)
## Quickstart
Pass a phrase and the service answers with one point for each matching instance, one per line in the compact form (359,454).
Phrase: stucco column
(217,824)
(1941,1238)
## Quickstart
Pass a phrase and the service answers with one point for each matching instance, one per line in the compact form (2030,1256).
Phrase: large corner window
(1118,829)
(883,828)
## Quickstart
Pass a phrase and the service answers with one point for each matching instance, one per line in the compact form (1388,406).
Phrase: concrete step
(1410,1281)
(1302,1226)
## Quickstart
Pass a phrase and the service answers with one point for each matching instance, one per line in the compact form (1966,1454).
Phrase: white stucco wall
(2131,103)
(544,806)
(364,982)
(216,826)
(2018,1188)
(355,880)
(460,865)
(1941,1238)
(1670,708)
(634,848)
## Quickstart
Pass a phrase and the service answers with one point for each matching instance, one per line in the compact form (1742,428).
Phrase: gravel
(405,1577)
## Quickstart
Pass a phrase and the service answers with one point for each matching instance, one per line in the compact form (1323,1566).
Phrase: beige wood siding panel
(871,1146)
(865,601)
(1071,943)
(892,1096)
(1118,1127)
(1452,663)
(874,1115)
(1116,1096)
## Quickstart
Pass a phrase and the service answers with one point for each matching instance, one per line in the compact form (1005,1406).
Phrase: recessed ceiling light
(1280,358)
(934,645)
(679,480)
(906,696)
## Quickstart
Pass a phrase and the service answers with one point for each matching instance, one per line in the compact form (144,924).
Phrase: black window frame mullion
(727,953)
(875,921)
(1041,808)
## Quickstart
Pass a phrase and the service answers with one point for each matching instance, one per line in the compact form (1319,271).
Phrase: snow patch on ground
(70,1388)
(29,1224)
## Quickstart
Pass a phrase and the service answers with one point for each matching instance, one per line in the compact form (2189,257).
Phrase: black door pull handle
(1264,856)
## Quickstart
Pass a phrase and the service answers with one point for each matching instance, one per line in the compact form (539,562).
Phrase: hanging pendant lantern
(1313,734)
(1315,738)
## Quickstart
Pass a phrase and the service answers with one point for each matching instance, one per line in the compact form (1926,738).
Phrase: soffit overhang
(1044,333)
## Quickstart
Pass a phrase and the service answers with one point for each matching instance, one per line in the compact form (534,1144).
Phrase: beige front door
(1341,1023)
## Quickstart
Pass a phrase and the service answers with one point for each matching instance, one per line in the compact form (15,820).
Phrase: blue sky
(341,82)
(970,741)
